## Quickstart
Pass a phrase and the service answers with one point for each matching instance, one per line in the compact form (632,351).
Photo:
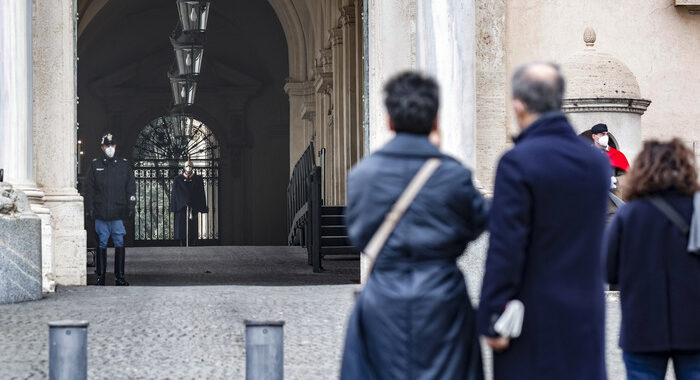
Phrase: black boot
(119,257)
(100,265)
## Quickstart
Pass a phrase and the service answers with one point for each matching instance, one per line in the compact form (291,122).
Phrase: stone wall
(659,43)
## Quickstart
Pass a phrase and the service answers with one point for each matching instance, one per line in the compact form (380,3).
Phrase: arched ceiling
(294,16)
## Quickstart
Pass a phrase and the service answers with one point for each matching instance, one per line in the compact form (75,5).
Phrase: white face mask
(603,140)
(109,151)
(188,169)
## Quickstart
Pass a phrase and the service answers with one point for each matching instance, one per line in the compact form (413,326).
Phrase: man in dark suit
(546,227)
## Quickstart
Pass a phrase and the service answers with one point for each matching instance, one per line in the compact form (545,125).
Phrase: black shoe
(119,256)
(100,265)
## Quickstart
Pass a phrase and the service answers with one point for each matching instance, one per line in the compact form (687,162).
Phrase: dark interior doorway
(125,55)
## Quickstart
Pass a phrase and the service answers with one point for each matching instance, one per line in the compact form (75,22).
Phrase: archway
(159,153)
(125,54)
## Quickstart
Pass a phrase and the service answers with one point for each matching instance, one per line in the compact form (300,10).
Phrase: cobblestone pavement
(197,332)
(178,332)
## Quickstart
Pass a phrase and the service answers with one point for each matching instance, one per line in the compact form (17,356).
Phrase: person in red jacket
(599,134)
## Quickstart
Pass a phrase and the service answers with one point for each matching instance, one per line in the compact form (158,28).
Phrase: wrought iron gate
(159,153)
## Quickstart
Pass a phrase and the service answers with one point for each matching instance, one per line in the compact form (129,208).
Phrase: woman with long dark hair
(647,256)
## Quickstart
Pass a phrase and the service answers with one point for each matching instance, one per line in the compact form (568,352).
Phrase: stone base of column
(36,201)
(69,236)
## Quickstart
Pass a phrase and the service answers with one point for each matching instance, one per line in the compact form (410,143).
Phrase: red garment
(617,159)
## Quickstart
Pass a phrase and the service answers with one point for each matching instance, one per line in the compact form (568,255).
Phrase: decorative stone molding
(347,15)
(299,88)
(638,106)
(13,203)
(308,111)
(589,37)
(693,6)
(324,83)
(593,74)
(336,36)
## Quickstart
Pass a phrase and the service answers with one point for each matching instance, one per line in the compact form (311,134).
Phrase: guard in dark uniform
(187,200)
(110,198)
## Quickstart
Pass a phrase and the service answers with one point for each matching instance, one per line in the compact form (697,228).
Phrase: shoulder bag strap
(392,218)
(671,214)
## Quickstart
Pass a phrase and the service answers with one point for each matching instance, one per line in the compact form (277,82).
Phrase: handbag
(376,243)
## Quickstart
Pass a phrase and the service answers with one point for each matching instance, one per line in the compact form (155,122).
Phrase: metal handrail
(298,192)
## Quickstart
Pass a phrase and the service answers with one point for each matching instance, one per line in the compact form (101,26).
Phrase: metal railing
(298,195)
(153,222)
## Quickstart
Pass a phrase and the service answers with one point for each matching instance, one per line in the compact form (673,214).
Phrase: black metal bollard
(68,350)
(264,346)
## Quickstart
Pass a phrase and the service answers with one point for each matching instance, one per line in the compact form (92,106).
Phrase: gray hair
(540,92)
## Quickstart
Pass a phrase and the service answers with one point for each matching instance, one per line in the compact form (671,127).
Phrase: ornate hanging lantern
(184,88)
(193,15)
(189,51)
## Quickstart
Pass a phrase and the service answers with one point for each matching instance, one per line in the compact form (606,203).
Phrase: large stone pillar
(351,115)
(446,50)
(16,155)
(392,49)
(299,93)
(434,36)
(16,137)
(339,135)
(55,135)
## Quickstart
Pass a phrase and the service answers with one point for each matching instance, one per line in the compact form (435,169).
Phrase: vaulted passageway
(125,55)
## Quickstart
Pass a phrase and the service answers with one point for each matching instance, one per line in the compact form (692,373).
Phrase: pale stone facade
(340,53)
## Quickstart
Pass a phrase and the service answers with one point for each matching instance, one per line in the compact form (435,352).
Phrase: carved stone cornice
(638,106)
(299,88)
(347,15)
(693,6)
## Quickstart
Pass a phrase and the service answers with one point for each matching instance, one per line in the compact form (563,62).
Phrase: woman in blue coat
(659,279)
(413,319)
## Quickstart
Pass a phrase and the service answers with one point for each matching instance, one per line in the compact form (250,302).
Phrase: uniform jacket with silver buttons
(110,189)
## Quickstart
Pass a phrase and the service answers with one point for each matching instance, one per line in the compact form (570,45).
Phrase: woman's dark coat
(546,231)
(659,280)
(413,320)
(187,192)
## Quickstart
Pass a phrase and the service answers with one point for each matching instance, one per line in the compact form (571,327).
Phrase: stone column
(392,49)
(491,88)
(339,151)
(299,93)
(446,50)
(55,135)
(350,115)
(16,137)
(323,87)
(16,155)
(433,36)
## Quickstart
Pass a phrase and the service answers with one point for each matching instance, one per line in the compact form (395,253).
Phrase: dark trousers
(181,228)
(652,365)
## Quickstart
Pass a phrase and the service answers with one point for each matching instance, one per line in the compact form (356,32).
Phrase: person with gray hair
(546,228)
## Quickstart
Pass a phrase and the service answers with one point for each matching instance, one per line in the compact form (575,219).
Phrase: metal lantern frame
(184,89)
(194,15)
(189,53)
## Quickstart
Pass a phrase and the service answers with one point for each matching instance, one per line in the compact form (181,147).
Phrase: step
(333,210)
(334,231)
(351,257)
(341,250)
(332,220)
(335,241)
